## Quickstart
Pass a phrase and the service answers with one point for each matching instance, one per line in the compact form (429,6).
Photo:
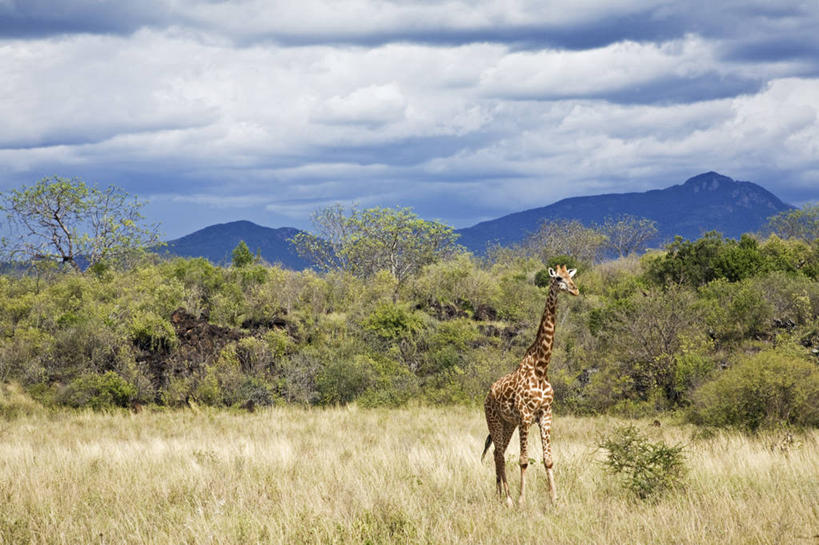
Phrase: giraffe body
(524,396)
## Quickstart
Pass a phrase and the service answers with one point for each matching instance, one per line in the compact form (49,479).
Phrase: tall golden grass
(351,475)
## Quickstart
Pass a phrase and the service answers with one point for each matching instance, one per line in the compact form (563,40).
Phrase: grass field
(378,476)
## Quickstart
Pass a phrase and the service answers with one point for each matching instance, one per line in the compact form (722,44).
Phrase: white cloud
(596,72)
(370,105)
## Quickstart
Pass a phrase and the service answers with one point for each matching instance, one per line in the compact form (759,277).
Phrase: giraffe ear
(552,273)
(572,272)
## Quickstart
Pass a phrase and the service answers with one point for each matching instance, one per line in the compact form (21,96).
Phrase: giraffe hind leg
(500,433)
(505,435)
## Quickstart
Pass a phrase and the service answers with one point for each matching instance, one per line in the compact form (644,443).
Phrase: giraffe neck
(541,350)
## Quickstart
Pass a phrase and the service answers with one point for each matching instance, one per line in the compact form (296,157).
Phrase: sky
(465,111)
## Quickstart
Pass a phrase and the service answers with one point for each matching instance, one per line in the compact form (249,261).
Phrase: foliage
(149,331)
(764,390)
(97,391)
(67,221)
(364,242)
(241,255)
(343,380)
(696,263)
(646,468)
(390,321)
(627,234)
(796,223)
(184,331)
(563,237)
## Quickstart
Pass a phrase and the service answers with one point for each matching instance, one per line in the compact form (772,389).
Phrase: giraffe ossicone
(525,396)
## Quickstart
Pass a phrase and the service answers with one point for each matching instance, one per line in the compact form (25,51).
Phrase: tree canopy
(241,255)
(64,220)
(797,223)
(364,242)
(627,234)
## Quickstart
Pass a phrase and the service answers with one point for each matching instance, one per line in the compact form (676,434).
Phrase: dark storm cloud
(43,18)
(770,49)
(664,90)
(435,24)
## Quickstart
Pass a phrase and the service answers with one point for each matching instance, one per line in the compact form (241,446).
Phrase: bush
(735,311)
(343,380)
(151,332)
(646,468)
(98,392)
(764,390)
(391,321)
(542,278)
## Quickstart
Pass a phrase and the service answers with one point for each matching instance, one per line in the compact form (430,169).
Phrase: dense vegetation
(725,331)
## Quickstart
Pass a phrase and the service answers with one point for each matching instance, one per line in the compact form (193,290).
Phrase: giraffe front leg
(523,431)
(545,425)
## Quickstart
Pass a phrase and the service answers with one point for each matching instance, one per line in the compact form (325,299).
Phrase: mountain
(216,243)
(706,202)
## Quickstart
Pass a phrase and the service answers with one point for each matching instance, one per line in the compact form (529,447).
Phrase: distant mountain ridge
(706,202)
(216,243)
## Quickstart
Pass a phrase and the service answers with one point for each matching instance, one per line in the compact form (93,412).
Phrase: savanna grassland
(352,475)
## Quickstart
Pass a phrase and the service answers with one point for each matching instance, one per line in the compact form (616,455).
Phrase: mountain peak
(708,181)
(708,201)
(216,243)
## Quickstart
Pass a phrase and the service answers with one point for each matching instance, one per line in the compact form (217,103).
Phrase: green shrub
(255,391)
(390,321)
(568,261)
(735,311)
(149,331)
(542,278)
(241,255)
(343,380)
(222,382)
(97,392)
(764,390)
(645,468)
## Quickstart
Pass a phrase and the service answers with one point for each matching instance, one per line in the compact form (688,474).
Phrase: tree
(627,234)
(66,221)
(242,256)
(796,223)
(563,237)
(364,242)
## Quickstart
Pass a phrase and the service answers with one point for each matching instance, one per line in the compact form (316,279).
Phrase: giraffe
(525,395)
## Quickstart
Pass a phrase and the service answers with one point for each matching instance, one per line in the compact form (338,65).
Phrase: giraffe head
(563,277)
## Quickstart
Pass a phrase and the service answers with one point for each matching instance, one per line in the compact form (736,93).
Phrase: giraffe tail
(486,446)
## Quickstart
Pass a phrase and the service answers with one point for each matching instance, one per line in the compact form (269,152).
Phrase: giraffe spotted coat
(525,396)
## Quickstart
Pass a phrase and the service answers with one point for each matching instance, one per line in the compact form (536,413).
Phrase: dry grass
(377,476)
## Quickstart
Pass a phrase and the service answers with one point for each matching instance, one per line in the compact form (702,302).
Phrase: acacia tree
(562,237)
(796,223)
(626,234)
(364,242)
(64,220)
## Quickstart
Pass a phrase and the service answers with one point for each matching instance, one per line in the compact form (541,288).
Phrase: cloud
(373,105)
(464,111)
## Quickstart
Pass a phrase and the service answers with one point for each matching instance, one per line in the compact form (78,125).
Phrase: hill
(709,201)
(216,243)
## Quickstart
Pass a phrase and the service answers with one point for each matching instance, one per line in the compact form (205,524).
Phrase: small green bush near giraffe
(354,475)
